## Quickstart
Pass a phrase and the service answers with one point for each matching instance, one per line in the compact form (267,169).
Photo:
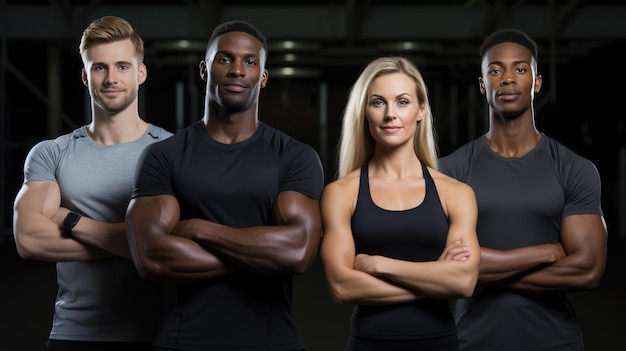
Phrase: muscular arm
(37,223)
(157,254)
(584,239)
(449,276)
(497,266)
(347,285)
(288,247)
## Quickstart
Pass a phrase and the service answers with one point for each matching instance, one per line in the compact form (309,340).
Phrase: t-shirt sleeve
(304,172)
(153,175)
(455,164)
(582,188)
(41,162)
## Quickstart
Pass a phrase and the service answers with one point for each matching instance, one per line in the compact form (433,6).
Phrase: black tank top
(418,234)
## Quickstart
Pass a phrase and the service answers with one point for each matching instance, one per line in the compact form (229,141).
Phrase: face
(236,75)
(392,109)
(509,79)
(113,75)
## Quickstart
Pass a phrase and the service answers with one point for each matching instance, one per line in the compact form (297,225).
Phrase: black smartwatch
(69,223)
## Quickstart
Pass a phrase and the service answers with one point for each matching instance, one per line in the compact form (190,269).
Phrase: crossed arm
(164,247)
(576,263)
(38,222)
(372,280)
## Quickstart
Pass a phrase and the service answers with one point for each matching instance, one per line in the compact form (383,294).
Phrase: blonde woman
(399,236)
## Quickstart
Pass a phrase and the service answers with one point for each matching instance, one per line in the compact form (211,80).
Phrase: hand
(455,252)
(558,251)
(184,229)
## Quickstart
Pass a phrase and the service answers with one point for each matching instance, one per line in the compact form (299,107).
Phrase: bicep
(338,248)
(149,216)
(294,208)
(586,237)
(38,198)
(462,211)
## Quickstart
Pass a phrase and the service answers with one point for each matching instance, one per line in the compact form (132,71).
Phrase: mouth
(391,129)
(234,87)
(111,92)
(508,95)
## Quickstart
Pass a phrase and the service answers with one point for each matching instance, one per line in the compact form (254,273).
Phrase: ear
(203,70)
(421,113)
(266,75)
(84,77)
(481,85)
(143,73)
(538,83)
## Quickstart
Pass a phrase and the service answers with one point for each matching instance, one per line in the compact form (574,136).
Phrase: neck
(395,162)
(231,128)
(108,129)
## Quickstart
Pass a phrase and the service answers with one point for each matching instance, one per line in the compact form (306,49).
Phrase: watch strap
(69,223)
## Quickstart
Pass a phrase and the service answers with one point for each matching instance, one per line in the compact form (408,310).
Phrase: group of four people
(191,241)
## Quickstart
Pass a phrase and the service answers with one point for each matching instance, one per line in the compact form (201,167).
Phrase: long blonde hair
(356,145)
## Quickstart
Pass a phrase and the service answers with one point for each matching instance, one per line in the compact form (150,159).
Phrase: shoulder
(293,153)
(281,141)
(453,193)
(342,191)
(566,159)
(461,156)
(59,143)
(447,184)
(157,132)
(345,185)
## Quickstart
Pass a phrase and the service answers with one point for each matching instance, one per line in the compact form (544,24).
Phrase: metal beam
(319,22)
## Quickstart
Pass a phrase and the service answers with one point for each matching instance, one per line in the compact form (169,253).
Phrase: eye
(98,68)
(223,59)
(494,71)
(403,102)
(250,62)
(521,70)
(124,67)
(377,102)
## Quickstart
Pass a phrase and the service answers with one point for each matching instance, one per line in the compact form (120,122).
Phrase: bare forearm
(502,265)
(354,287)
(110,237)
(264,250)
(568,274)
(41,239)
(180,259)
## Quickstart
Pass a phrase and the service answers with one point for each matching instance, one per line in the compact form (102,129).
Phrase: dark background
(580,58)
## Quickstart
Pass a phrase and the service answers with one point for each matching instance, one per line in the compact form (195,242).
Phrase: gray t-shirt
(105,299)
(521,202)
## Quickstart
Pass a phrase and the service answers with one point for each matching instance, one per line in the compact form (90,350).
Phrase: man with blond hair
(72,204)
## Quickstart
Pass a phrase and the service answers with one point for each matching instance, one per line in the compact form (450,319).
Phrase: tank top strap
(364,184)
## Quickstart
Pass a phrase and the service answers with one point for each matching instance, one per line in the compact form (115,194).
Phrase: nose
(390,113)
(507,78)
(111,77)
(236,69)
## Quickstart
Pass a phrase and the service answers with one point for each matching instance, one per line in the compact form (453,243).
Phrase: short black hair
(239,26)
(511,35)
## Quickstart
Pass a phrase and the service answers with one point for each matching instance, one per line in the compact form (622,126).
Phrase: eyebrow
(501,63)
(230,53)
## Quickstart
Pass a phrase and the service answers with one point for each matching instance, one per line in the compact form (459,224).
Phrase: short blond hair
(108,29)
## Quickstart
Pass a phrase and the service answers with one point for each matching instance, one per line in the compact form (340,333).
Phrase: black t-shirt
(521,202)
(235,185)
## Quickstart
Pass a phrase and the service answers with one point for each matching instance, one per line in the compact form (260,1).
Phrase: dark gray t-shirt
(521,202)
(105,299)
